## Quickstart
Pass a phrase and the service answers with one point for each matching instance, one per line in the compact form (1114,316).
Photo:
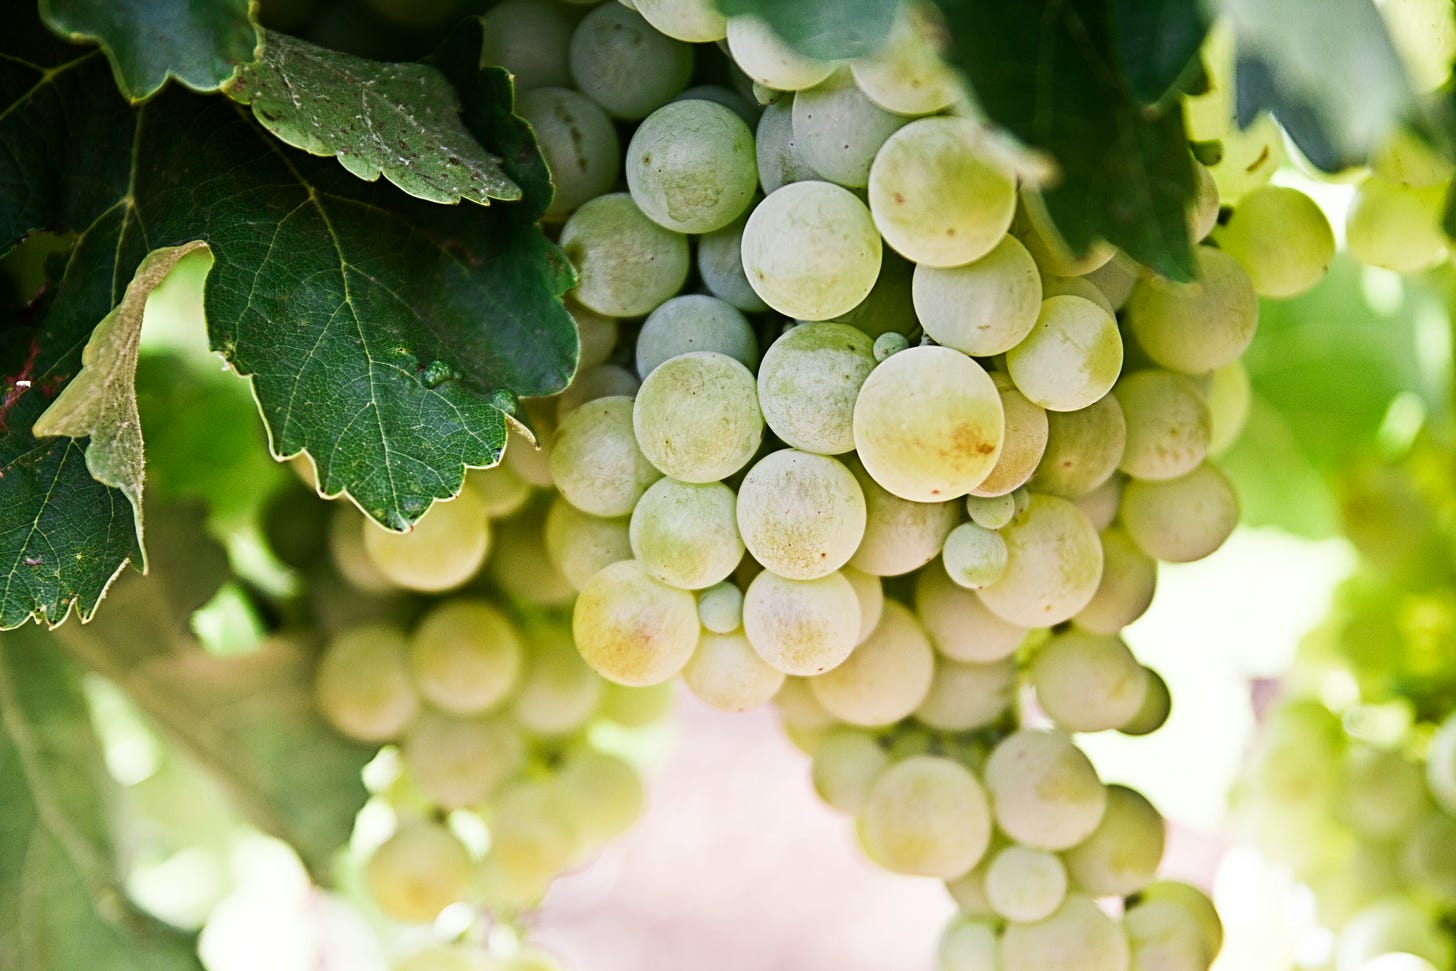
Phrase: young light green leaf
(148,41)
(401,120)
(62,904)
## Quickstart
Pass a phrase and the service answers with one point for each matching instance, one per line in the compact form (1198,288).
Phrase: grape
(1071,358)
(799,710)
(632,628)
(691,166)
(906,75)
(443,550)
(1163,935)
(1154,711)
(1053,564)
(558,692)
(465,656)
(967,945)
(885,678)
(460,761)
(1168,424)
(964,697)
(1075,286)
(579,544)
(952,411)
(1381,794)
(1100,506)
(801,627)
(720,608)
(577,140)
(780,160)
(530,39)
(520,566)
(808,383)
(1408,159)
(596,461)
(937,196)
(686,534)
(500,490)
(991,512)
(1045,792)
(846,764)
(1200,326)
(418,872)
(1033,225)
(633,707)
(720,264)
(597,333)
(1123,852)
(769,60)
(1025,884)
(889,343)
(1194,902)
(1183,519)
(1116,278)
(871,595)
(1078,936)
(1441,765)
(697,21)
(1023,445)
(959,624)
(899,535)
(889,307)
(1229,396)
(695,322)
(603,794)
(363,685)
(531,460)
(532,839)
(969,891)
(1129,577)
(726,673)
(1088,682)
(1251,156)
(1396,226)
(926,816)
(1204,209)
(626,264)
(696,417)
(801,515)
(625,66)
(974,556)
(838,130)
(1083,449)
(1282,239)
(603,381)
(984,307)
(810,250)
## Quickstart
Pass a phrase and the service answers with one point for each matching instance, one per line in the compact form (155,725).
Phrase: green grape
(1053,564)
(1101,504)
(1164,935)
(726,96)
(1196,327)
(955,412)
(1123,852)
(801,515)
(1088,682)
(1083,449)
(810,250)
(720,607)
(460,761)
(1077,936)
(808,383)
(1045,792)
(1183,519)
(769,60)
(520,566)
(602,381)
(889,307)
(985,307)
(885,678)
(926,816)
(1025,884)
(780,161)
(625,66)
(533,838)
(845,765)
(1441,765)
(1116,278)
(1381,793)
(974,556)
(960,625)
(418,872)
(1169,425)
(725,672)
(603,794)
(890,342)
(1033,225)
(596,461)
(442,551)
(695,322)
(1397,226)
(696,21)
(964,697)
(632,628)
(799,710)
(500,490)
(801,627)
(838,130)
(1229,396)
(991,512)
(633,707)
(577,140)
(363,685)
(1075,286)
(1407,158)
(626,264)
(1281,238)
(686,534)
(1250,158)
(558,691)
(1023,444)
(937,196)
(1196,903)
(906,75)
(531,460)
(1125,591)
(530,39)
(1424,34)
(1392,924)
(696,417)
(720,265)
(900,535)
(1203,211)
(691,166)
(597,332)
(1153,712)
(579,544)
(967,945)
(1071,358)
(969,891)
(465,656)
(871,595)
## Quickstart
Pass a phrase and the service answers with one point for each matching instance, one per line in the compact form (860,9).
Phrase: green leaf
(249,719)
(148,41)
(61,901)
(828,31)
(401,120)
(1047,70)
(1157,42)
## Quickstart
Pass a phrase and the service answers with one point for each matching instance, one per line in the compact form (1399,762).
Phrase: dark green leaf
(1157,42)
(1047,71)
(1257,90)
(62,905)
(828,31)
(401,120)
(148,41)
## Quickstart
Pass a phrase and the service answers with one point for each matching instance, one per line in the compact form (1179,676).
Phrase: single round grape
(1196,903)
(1088,682)
(596,461)
(686,534)
(697,418)
(969,891)
(906,74)
(885,678)
(1078,936)
(695,322)
(1203,211)
(577,140)
(1071,358)
(1169,425)
(1045,792)
(363,685)
(1407,158)
(626,264)
(596,332)
(1075,286)
(799,710)
(460,761)
(871,594)
(443,550)
(964,697)
(1229,397)
(1251,156)
(900,535)
(1053,564)
(1023,445)
(1116,278)
(530,39)
(801,627)
(632,628)
(769,60)
(810,250)
(579,544)
(696,21)
(1123,852)
(1025,884)
(808,383)
(1083,449)
(500,490)
(558,692)
(602,381)
(521,568)
(604,795)
(967,944)
(1125,591)
(691,166)
(985,307)
(890,342)
(960,625)
(845,765)
(720,607)
(418,872)
(1396,226)
(937,196)
(991,512)
(1100,506)
(801,515)
(974,556)
(1281,237)
(465,656)
(625,66)
(726,673)
(928,424)
(1153,713)
(926,816)
(533,838)
(1163,935)
(1200,326)
(839,130)
(720,265)
(780,160)
(1183,519)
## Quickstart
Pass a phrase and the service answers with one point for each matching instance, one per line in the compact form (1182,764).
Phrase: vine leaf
(148,41)
(62,904)
(828,31)
(1157,43)
(401,120)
